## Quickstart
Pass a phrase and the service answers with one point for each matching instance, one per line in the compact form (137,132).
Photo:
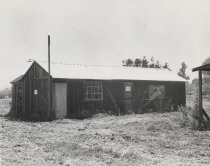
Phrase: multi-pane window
(93,91)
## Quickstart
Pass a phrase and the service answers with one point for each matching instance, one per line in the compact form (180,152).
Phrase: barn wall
(76,103)
(179,93)
(174,91)
(36,106)
(75,97)
(114,88)
(17,95)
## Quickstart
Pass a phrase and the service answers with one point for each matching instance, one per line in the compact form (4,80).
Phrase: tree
(157,65)
(207,61)
(145,63)
(128,62)
(206,78)
(165,66)
(137,62)
(195,81)
(182,71)
(7,92)
(152,64)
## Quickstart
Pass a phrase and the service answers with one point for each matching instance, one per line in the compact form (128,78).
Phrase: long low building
(72,90)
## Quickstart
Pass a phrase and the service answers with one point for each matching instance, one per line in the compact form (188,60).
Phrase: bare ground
(148,139)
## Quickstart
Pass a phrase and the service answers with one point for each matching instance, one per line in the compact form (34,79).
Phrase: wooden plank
(28,96)
(34,87)
(32,92)
(200,94)
(112,98)
(23,100)
(205,114)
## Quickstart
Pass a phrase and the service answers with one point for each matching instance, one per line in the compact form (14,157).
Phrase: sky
(98,32)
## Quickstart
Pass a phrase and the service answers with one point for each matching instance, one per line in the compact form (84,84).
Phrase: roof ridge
(89,65)
(92,65)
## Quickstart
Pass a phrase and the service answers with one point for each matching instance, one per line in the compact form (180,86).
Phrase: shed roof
(17,79)
(203,68)
(111,73)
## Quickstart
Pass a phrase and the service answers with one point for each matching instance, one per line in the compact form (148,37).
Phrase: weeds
(186,118)
(190,117)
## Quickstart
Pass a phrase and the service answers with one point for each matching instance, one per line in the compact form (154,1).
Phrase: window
(93,91)
(128,88)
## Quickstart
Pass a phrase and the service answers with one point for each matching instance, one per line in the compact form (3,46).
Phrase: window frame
(93,91)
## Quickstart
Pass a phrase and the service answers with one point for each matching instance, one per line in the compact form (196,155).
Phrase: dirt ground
(148,139)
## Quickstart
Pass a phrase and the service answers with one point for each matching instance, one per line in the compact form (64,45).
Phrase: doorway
(128,93)
(60,100)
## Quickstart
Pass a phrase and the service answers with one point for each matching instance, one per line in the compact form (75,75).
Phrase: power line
(71,64)
(85,65)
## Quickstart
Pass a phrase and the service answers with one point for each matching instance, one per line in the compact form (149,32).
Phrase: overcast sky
(102,32)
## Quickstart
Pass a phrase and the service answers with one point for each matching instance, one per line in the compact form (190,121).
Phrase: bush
(191,117)
(187,118)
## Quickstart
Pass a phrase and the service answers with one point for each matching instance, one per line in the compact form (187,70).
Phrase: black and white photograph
(104,83)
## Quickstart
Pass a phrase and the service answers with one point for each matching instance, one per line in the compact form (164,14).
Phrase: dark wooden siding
(17,97)
(174,91)
(74,97)
(116,90)
(76,104)
(35,106)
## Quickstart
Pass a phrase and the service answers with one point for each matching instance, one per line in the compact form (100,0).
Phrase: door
(60,100)
(128,102)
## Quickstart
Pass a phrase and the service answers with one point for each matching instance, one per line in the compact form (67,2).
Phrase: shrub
(186,119)
(190,117)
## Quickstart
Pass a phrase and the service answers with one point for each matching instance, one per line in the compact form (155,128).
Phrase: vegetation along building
(76,90)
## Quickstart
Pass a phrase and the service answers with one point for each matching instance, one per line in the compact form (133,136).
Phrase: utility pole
(49,54)
(49,82)
(200,98)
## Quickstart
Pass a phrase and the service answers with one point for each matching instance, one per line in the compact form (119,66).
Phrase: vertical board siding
(35,106)
(75,93)
(76,103)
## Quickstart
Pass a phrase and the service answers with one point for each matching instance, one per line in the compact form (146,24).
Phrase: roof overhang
(202,68)
(16,79)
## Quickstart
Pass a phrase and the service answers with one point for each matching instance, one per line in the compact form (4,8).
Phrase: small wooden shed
(76,89)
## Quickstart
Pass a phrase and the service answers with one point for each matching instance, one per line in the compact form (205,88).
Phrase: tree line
(152,63)
(145,63)
(7,92)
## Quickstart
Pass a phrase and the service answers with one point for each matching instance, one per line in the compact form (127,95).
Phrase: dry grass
(148,139)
